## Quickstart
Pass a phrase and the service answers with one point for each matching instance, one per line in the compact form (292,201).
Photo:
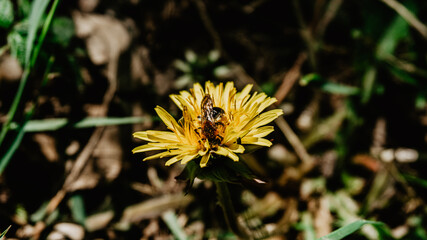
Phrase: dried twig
(405,65)
(408,16)
(250,7)
(329,15)
(308,162)
(290,78)
(306,35)
(209,25)
(86,153)
(295,142)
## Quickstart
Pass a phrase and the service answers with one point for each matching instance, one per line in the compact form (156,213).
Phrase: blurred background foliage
(77,78)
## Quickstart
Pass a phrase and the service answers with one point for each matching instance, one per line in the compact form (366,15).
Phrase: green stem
(28,64)
(224,199)
(43,33)
(4,161)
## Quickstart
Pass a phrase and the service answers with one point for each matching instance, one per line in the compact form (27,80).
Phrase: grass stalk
(226,204)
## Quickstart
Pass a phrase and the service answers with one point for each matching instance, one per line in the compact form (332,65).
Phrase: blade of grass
(408,15)
(368,82)
(307,226)
(171,221)
(37,9)
(4,232)
(42,35)
(348,229)
(12,110)
(419,181)
(397,30)
(17,141)
(4,161)
(58,123)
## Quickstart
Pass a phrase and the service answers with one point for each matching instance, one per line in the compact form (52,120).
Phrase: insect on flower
(213,121)
(216,120)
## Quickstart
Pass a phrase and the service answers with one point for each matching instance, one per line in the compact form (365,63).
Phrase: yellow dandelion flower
(217,120)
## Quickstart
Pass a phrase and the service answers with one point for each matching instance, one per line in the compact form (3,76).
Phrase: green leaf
(6,13)
(306,225)
(340,89)
(16,41)
(40,213)
(315,79)
(311,77)
(420,101)
(403,76)
(268,88)
(219,169)
(21,213)
(223,169)
(189,173)
(77,207)
(410,178)
(217,173)
(24,7)
(395,32)
(58,123)
(348,229)
(368,82)
(62,30)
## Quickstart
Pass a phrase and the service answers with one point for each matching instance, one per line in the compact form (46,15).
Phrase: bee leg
(220,125)
(197,131)
(218,139)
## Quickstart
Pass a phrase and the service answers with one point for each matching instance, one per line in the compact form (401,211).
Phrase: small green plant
(197,68)
(25,40)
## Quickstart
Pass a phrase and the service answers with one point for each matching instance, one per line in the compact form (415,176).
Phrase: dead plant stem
(408,16)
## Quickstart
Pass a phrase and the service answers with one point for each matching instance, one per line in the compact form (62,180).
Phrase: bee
(213,121)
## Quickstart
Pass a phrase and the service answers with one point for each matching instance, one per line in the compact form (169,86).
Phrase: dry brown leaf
(290,216)
(88,5)
(106,37)
(68,231)
(25,231)
(322,217)
(109,154)
(265,207)
(279,153)
(72,148)
(152,229)
(162,82)
(88,179)
(107,162)
(327,163)
(47,146)
(10,69)
(196,230)
(154,207)
(367,161)
(98,221)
